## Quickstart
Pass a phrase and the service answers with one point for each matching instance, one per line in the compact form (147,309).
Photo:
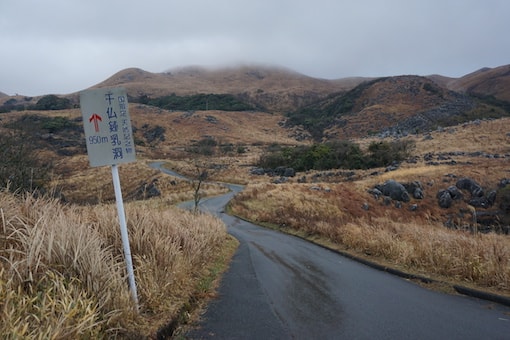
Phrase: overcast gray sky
(64,46)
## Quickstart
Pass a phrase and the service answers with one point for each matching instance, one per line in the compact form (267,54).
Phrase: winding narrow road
(282,287)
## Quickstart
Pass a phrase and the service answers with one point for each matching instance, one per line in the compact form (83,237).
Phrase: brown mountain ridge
(273,88)
(342,108)
(486,81)
(393,105)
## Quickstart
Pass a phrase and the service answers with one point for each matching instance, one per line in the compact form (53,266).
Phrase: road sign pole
(124,232)
(110,141)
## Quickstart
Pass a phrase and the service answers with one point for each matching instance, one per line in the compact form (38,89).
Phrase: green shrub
(52,102)
(335,155)
(384,153)
(241,149)
(11,104)
(202,101)
(56,124)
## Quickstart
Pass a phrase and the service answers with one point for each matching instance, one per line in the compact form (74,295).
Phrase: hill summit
(343,108)
(404,102)
(327,109)
(275,89)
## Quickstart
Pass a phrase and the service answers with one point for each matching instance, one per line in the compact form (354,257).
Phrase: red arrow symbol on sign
(96,119)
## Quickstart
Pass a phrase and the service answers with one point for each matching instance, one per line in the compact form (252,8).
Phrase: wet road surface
(282,287)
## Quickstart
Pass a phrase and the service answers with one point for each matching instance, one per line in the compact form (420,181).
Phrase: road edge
(463,290)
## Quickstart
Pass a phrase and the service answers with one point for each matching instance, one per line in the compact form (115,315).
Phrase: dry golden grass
(490,136)
(62,273)
(494,81)
(185,128)
(416,241)
(83,184)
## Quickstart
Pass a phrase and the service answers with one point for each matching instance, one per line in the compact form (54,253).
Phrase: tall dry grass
(62,272)
(411,240)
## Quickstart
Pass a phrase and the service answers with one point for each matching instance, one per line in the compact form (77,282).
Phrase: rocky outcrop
(444,199)
(465,189)
(394,190)
(280,171)
(147,190)
(415,189)
(477,199)
(400,192)
(471,186)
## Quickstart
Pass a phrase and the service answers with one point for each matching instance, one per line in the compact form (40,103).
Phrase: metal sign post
(109,138)
(124,232)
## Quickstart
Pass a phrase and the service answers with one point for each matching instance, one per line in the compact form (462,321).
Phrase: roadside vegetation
(62,273)
(340,212)
(62,269)
(417,244)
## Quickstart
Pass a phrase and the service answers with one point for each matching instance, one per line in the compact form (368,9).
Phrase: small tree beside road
(201,174)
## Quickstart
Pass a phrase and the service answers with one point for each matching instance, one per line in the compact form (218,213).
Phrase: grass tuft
(62,272)
(419,243)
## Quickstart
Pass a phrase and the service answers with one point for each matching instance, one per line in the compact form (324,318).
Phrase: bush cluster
(14,105)
(335,155)
(153,134)
(52,102)
(56,124)
(209,146)
(45,103)
(202,101)
(22,167)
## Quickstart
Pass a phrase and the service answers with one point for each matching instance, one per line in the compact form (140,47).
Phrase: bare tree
(204,171)
(201,175)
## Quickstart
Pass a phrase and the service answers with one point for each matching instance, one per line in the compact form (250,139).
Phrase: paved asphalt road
(281,287)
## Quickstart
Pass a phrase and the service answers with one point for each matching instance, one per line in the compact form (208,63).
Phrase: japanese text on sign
(107,126)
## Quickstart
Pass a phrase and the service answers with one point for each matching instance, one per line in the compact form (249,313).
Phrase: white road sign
(107,126)
(109,139)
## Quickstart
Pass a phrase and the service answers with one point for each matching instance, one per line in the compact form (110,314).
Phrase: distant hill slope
(394,105)
(274,89)
(341,108)
(2,95)
(487,81)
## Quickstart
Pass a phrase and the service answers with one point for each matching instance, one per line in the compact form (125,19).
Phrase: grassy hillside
(338,208)
(270,88)
(393,105)
(486,82)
